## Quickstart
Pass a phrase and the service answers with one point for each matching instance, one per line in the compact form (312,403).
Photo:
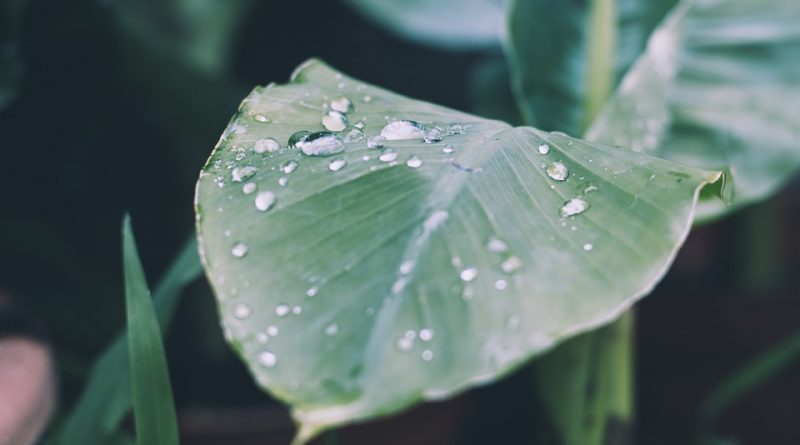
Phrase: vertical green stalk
(585,386)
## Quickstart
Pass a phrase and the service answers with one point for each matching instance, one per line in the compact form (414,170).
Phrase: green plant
(356,276)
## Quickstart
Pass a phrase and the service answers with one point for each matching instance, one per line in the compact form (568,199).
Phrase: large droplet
(337,164)
(433,135)
(290,166)
(334,121)
(414,162)
(574,206)
(241,174)
(511,265)
(322,143)
(242,311)
(239,250)
(342,105)
(402,129)
(266,145)
(264,201)
(267,359)
(544,149)
(468,274)
(557,171)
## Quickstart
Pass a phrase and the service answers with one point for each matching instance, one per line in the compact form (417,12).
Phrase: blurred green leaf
(717,88)
(562,53)
(375,278)
(11,65)
(153,407)
(453,24)
(106,398)
(490,92)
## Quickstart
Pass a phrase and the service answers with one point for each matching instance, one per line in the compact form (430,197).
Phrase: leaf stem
(600,66)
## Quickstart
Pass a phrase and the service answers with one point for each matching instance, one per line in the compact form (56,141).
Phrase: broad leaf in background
(11,65)
(106,400)
(358,274)
(717,88)
(153,407)
(453,24)
(562,53)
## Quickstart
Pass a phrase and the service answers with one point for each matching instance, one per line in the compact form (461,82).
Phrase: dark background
(106,120)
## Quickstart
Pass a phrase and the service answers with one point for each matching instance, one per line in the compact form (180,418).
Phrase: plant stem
(600,64)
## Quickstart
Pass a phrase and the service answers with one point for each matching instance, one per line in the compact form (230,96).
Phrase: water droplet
(426,334)
(434,135)
(354,135)
(312,291)
(273,330)
(239,250)
(290,167)
(544,149)
(337,164)
(574,206)
(588,246)
(367,99)
(262,338)
(590,189)
(454,129)
(468,274)
(402,129)
(298,139)
(376,142)
(335,121)
(282,181)
(322,143)
(389,156)
(404,344)
(267,359)
(249,188)
(342,105)
(281,310)
(557,171)
(427,355)
(332,329)
(242,311)
(497,245)
(511,265)
(468,294)
(266,145)
(264,201)
(500,284)
(297,310)
(409,334)
(241,174)
(448,149)
(406,267)
(261,118)
(414,162)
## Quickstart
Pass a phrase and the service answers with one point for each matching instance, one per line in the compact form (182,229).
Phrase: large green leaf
(153,407)
(717,88)
(453,24)
(359,283)
(564,55)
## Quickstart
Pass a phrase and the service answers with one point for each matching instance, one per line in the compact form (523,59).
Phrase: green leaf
(717,88)
(376,278)
(452,24)
(107,399)
(563,55)
(153,407)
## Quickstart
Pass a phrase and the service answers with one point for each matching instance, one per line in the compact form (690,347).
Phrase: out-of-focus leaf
(490,92)
(356,284)
(717,88)
(453,24)
(562,53)
(153,407)
(11,65)
(107,398)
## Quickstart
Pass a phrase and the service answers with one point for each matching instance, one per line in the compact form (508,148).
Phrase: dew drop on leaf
(414,162)
(290,167)
(322,143)
(574,206)
(426,334)
(264,201)
(239,250)
(354,135)
(242,311)
(433,136)
(402,129)
(261,118)
(468,274)
(427,355)
(511,265)
(337,164)
(297,139)
(282,310)
(267,359)
(389,156)
(544,149)
(496,245)
(332,329)
(334,121)
(587,247)
(500,284)
(342,105)
(376,142)
(557,171)
(266,145)
(273,330)
(249,188)
(448,149)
